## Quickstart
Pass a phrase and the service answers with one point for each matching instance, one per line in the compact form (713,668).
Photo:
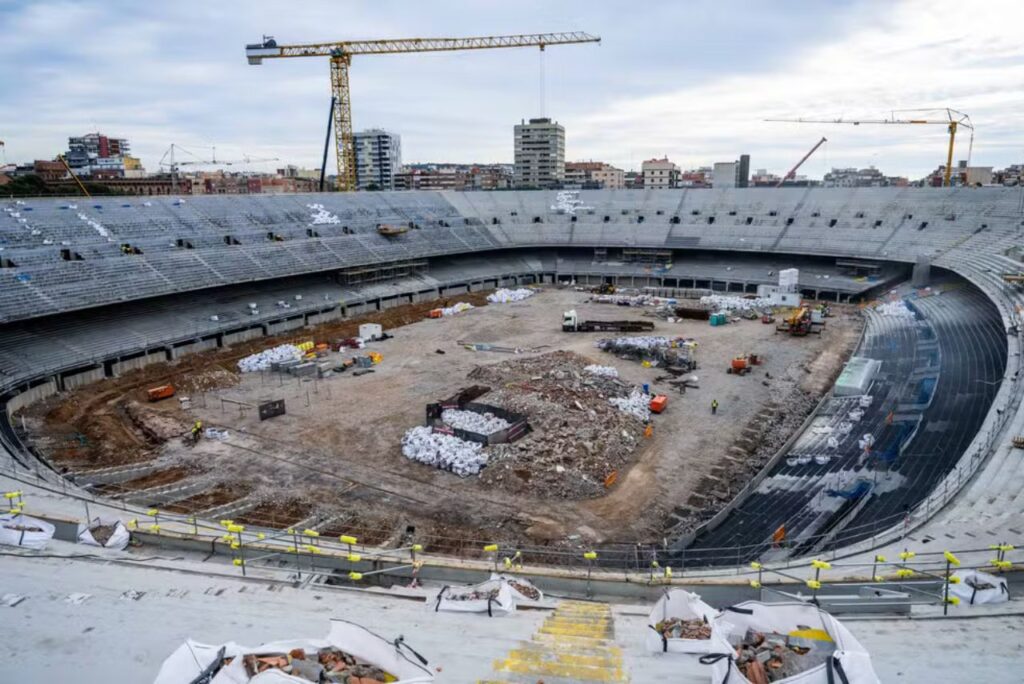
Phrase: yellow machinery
(953,121)
(340,54)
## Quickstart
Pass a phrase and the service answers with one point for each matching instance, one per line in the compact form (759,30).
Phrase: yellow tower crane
(953,120)
(341,53)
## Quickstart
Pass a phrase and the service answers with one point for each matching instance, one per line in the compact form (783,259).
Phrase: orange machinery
(658,403)
(161,392)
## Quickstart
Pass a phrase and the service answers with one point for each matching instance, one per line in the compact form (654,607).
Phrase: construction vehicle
(604,289)
(801,322)
(572,323)
(741,365)
(161,392)
(340,54)
(767,318)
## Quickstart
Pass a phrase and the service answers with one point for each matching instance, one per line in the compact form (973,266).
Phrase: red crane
(792,172)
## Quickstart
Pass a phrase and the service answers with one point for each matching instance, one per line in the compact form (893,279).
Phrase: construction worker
(197,431)
(714,406)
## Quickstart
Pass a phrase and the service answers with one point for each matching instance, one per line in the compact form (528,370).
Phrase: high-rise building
(539,154)
(724,175)
(743,171)
(378,158)
(97,155)
(660,174)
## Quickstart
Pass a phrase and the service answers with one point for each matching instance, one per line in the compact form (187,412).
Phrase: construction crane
(792,172)
(172,164)
(73,176)
(953,121)
(341,53)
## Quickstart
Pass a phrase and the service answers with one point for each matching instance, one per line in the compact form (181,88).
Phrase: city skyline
(696,89)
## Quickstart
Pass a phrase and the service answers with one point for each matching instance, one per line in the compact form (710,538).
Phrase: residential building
(962,175)
(98,156)
(633,180)
(724,175)
(378,158)
(1011,175)
(539,148)
(743,171)
(593,175)
(660,174)
(695,178)
(763,179)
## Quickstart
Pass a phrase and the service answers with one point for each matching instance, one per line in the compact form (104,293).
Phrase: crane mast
(792,172)
(341,53)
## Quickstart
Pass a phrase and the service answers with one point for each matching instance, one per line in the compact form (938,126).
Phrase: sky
(693,81)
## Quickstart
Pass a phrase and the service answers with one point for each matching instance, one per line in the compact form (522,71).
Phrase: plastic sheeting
(456,308)
(493,597)
(727,303)
(118,539)
(262,360)
(602,371)
(977,587)
(480,423)
(679,603)
(504,296)
(21,530)
(636,404)
(423,445)
(191,659)
(783,618)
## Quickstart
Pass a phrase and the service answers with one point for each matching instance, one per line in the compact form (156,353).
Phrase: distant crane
(341,53)
(172,164)
(792,172)
(953,121)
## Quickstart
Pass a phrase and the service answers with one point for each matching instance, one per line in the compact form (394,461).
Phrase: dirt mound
(579,440)
(157,426)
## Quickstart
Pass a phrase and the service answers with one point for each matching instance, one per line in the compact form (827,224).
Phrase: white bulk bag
(678,603)
(21,530)
(969,590)
(502,604)
(782,618)
(192,658)
(118,540)
(517,594)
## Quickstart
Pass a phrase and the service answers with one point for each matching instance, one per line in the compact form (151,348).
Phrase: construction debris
(680,628)
(679,352)
(456,308)
(263,360)
(504,296)
(636,404)
(423,445)
(897,309)
(717,302)
(603,371)
(483,423)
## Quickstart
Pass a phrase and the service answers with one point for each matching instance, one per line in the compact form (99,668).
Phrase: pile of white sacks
(899,309)
(456,308)
(726,303)
(602,371)
(638,343)
(321,216)
(261,361)
(423,445)
(480,423)
(636,404)
(504,296)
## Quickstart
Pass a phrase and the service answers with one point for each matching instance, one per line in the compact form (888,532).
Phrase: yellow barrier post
(951,560)
(1000,562)
(874,568)
(493,550)
(155,514)
(815,584)
(11,496)
(239,560)
(756,584)
(590,557)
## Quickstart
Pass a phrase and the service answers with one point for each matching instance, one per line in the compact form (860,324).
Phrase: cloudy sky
(691,80)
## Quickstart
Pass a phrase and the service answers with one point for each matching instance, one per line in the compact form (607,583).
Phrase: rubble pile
(328,665)
(578,439)
(262,360)
(475,595)
(897,309)
(456,308)
(681,628)
(660,351)
(765,658)
(717,302)
(423,445)
(504,295)
(480,423)
(528,590)
(603,371)
(636,404)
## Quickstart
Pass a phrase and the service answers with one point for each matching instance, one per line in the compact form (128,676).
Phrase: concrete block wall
(284,326)
(122,367)
(193,348)
(70,381)
(241,336)
(31,395)
(323,317)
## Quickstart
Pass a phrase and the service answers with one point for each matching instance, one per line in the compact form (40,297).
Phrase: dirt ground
(336,453)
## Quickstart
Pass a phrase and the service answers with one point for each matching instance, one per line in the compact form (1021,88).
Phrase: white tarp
(456,308)
(192,658)
(717,302)
(784,618)
(119,537)
(684,605)
(21,530)
(493,597)
(602,371)
(977,587)
(504,295)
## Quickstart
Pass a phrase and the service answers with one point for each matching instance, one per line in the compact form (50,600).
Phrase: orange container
(161,392)
(658,403)
(434,313)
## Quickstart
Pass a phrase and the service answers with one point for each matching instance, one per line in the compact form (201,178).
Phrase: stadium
(105,299)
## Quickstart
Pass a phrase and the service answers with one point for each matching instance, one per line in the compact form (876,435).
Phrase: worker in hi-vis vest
(714,406)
